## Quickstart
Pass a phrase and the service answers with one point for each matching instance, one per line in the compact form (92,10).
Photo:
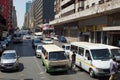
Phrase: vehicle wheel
(17,68)
(91,72)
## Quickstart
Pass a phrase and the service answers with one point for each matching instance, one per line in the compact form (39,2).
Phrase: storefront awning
(112,28)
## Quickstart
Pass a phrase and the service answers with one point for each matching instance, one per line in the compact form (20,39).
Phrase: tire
(91,72)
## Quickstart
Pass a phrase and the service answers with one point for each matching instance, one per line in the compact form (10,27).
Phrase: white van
(92,58)
(38,35)
(53,58)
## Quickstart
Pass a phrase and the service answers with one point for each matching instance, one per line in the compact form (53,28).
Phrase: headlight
(1,64)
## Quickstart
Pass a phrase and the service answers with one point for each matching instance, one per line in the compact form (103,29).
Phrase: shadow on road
(21,68)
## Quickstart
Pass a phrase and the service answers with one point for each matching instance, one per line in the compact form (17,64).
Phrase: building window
(101,1)
(80,8)
(93,4)
(87,7)
(108,0)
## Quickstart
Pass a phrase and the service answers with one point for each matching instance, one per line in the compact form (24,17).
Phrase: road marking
(43,77)
(21,74)
(38,66)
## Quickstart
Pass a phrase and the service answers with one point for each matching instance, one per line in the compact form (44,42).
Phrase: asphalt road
(31,67)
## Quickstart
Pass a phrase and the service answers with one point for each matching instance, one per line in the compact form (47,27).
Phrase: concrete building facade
(43,11)
(14,18)
(95,21)
(28,4)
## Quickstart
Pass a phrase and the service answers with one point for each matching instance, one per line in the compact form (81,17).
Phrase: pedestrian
(73,57)
(113,69)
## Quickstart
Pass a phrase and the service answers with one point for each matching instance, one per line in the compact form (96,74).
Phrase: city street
(87,30)
(31,67)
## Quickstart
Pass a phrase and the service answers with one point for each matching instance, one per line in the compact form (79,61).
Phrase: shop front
(47,30)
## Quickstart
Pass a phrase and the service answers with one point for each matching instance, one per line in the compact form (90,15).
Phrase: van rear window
(53,56)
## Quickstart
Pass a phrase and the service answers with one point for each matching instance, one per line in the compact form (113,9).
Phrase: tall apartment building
(14,18)
(95,21)
(7,6)
(43,11)
(27,14)
(28,4)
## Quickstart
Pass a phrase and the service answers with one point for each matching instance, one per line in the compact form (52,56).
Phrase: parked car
(9,60)
(39,50)
(55,37)
(1,49)
(4,44)
(62,39)
(35,42)
(47,41)
(9,38)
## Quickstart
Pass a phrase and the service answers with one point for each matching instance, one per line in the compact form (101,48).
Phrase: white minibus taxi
(92,58)
(53,58)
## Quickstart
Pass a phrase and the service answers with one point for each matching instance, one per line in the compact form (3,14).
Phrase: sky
(20,10)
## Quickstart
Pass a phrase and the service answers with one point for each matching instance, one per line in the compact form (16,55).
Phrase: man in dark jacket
(113,69)
(73,57)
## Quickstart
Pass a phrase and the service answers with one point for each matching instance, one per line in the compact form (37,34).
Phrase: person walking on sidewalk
(113,69)
(73,57)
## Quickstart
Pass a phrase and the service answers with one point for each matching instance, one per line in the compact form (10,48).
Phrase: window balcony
(69,8)
(64,2)
(99,9)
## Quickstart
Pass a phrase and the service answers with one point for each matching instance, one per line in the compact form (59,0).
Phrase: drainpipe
(94,36)
(101,37)
(89,36)
(107,38)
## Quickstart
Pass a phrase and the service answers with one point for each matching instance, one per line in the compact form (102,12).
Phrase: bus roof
(52,48)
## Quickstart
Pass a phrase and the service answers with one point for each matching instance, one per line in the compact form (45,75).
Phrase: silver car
(9,60)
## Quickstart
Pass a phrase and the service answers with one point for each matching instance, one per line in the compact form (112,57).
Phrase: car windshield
(67,47)
(37,41)
(100,54)
(8,56)
(115,52)
(56,56)
(47,40)
(39,47)
(17,35)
